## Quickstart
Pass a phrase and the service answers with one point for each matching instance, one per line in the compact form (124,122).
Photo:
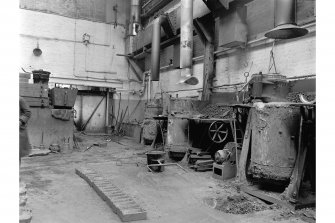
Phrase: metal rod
(149,87)
(107,109)
(235,140)
(167,164)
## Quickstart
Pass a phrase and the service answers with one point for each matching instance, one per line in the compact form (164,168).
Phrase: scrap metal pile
(216,111)
(294,96)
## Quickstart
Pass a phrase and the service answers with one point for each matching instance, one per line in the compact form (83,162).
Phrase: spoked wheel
(218,131)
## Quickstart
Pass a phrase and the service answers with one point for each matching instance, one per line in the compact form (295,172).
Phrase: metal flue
(186,43)
(285,21)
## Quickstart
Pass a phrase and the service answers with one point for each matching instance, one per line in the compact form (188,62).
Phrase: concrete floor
(57,194)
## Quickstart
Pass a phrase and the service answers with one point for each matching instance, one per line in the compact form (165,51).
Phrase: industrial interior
(168,110)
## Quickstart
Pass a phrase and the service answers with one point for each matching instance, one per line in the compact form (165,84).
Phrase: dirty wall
(58,27)
(295,57)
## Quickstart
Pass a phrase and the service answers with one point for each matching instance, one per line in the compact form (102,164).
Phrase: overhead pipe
(186,43)
(156,46)
(285,21)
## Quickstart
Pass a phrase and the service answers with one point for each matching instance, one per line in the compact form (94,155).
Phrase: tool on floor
(203,165)
(55,148)
(156,161)
(104,144)
(164,164)
(66,146)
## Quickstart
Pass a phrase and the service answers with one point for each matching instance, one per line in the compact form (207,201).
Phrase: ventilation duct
(186,43)
(285,21)
(156,46)
(135,23)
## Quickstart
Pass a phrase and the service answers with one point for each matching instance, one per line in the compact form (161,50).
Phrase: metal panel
(33,90)
(53,130)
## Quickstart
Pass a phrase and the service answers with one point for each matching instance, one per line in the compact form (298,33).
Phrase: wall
(58,28)
(295,57)
(64,54)
(92,10)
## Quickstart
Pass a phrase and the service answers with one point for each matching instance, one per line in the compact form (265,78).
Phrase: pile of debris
(294,96)
(25,211)
(239,204)
(216,111)
(306,214)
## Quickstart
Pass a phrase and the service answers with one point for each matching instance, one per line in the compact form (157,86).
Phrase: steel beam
(136,68)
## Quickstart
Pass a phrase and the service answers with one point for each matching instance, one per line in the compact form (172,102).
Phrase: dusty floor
(57,194)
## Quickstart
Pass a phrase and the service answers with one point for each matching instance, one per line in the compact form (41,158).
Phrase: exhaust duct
(156,46)
(186,43)
(135,22)
(285,21)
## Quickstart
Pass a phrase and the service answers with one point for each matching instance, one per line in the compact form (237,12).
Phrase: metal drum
(275,129)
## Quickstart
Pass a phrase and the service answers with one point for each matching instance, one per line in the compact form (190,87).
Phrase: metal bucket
(156,157)
(275,130)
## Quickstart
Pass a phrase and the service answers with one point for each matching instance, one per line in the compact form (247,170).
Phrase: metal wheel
(218,131)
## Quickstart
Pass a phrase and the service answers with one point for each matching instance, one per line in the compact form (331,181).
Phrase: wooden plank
(265,197)
(292,190)
(241,173)
(37,102)
(208,71)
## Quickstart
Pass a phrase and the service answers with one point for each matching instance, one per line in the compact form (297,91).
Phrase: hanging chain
(272,62)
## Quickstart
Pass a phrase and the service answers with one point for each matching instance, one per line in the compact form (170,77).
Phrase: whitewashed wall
(71,62)
(64,54)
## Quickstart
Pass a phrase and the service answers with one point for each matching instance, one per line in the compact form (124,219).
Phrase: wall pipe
(186,43)
(135,20)
(149,88)
(107,110)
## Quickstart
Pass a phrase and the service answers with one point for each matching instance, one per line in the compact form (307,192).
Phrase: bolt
(294,194)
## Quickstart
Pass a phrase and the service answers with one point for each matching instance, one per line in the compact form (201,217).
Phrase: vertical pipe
(285,21)
(285,12)
(155,49)
(135,20)
(186,33)
(149,87)
(107,110)
(186,42)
